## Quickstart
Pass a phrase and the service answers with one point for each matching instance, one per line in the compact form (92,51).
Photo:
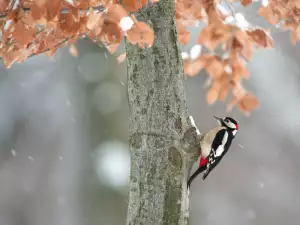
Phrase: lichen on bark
(163,143)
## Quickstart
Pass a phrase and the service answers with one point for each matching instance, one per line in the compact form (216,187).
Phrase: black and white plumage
(215,145)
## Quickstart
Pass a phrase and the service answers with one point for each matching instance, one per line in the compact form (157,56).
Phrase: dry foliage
(31,27)
(227,70)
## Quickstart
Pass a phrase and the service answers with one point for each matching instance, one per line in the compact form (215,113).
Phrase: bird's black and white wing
(220,146)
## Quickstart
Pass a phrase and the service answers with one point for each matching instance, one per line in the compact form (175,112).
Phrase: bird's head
(229,123)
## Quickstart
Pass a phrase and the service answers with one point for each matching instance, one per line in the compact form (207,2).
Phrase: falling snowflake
(126,23)
(13,152)
(195,52)
(184,55)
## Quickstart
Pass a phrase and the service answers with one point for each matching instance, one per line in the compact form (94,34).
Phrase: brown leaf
(110,33)
(213,93)
(133,5)
(225,85)
(141,34)
(83,4)
(215,67)
(107,3)
(193,67)
(53,8)
(261,38)
(68,25)
(40,2)
(183,33)
(4,5)
(115,13)
(242,44)
(37,12)
(94,20)
(49,42)
(23,34)
(268,14)
(248,103)
(205,38)
(212,96)
(239,69)
(246,2)
(10,58)
(214,34)
(41,47)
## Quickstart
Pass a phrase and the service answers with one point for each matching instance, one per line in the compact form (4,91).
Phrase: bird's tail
(195,174)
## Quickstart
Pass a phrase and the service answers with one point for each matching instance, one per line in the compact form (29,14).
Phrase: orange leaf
(37,12)
(23,34)
(10,58)
(3,5)
(205,38)
(41,47)
(53,7)
(246,2)
(133,5)
(239,69)
(212,95)
(94,20)
(115,13)
(214,34)
(141,34)
(193,67)
(242,44)
(261,38)
(40,2)
(224,89)
(248,103)
(268,14)
(215,67)
(106,3)
(183,34)
(110,33)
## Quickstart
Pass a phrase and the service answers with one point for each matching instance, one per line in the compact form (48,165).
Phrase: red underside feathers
(202,162)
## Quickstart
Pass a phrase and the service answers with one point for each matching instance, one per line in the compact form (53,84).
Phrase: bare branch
(55,47)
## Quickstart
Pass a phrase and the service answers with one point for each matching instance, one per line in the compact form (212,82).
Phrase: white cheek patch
(230,125)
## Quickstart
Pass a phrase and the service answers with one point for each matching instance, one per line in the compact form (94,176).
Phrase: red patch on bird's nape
(203,161)
(237,126)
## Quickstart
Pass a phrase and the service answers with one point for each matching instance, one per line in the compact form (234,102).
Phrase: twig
(56,46)
(62,11)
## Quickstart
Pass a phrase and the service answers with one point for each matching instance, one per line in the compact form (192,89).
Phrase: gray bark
(163,142)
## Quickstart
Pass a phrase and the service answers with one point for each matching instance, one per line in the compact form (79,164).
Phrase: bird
(214,145)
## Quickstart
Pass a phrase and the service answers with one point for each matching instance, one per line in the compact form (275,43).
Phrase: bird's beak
(218,119)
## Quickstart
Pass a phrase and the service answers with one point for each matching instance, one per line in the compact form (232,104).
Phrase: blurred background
(64,157)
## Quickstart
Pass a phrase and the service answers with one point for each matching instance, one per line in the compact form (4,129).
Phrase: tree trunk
(163,142)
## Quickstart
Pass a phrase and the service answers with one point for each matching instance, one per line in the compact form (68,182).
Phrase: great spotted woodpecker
(214,146)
